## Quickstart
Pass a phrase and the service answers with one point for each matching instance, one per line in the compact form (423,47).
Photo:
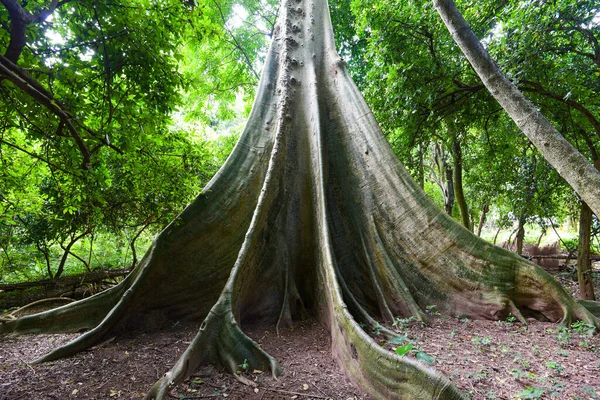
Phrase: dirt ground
(485,359)
(126,368)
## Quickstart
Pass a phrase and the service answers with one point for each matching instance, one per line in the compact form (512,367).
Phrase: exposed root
(592,306)
(42,301)
(73,317)
(219,342)
(93,336)
(514,310)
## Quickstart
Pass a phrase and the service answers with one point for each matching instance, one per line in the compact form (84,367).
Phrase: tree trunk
(584,262)
(445,177)
(311,211)
(570,164)
(496,235)
(66,252)
(520,236)
(484,210)
(458,184)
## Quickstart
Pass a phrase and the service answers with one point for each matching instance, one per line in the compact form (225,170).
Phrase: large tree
(311,212)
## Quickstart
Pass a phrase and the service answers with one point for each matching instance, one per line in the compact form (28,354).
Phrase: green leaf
(531,393)
(404,349)
(397,340)
(426,358)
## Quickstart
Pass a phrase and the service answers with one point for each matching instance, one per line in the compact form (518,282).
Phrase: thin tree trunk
(584,262)
(421,168)
(66,252)
(541,236)
(459,193)
(570,164)
(520,236)
(45,252)
(484,211)
(496,235)
(450,194)
(132,243)
(509,243)
(446,178)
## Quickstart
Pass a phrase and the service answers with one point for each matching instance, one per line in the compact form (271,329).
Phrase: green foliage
(404,349)
(531,393)
(426,96)
(120,71)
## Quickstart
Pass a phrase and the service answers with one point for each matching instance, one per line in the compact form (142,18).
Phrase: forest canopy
(128,108)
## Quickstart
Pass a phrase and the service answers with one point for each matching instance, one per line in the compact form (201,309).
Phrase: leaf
(403,350)
(426,358)
(531,393)
(397,340)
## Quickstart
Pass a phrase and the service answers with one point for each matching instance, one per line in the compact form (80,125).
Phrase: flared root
(219,342)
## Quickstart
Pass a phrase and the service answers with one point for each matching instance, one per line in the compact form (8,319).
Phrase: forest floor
(486,360)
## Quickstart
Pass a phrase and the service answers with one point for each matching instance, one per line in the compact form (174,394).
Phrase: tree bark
(569,163)
(520,236)
(444,178)
(458,184)
(584,262)
(66,252)
(484,210)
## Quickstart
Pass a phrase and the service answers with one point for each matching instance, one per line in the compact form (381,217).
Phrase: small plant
(377,329)
(402,323)
(563,335)
(482,341)
(431,309)
(453,332)
(582,328)
(531,393)
(510,320)
(243,366)
(555,366)
(404,349)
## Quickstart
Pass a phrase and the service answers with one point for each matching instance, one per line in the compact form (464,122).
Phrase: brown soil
(486,360)
(507,360)
(126,368)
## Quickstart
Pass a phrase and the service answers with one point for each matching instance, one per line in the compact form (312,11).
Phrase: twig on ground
(322,392)
(297,393)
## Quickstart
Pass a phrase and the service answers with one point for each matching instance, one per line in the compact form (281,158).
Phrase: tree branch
(19,19)
(33,89)
(535,87)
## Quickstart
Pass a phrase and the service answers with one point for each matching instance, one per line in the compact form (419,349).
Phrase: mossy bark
(312,211)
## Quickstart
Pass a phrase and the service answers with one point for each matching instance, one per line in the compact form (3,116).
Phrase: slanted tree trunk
(584,262)
(66,251)
(570,164)
(311,211)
